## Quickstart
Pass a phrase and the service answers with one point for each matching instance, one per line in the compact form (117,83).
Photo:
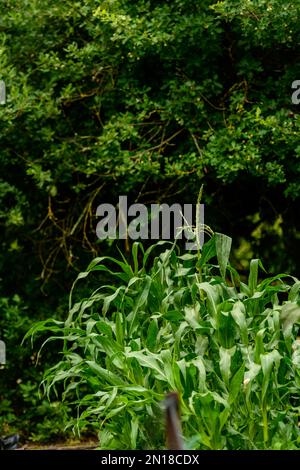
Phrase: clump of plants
(187,322)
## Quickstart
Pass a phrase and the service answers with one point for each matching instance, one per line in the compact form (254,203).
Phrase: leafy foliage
(176,322)
(146,96)
(22,409)
(150,99)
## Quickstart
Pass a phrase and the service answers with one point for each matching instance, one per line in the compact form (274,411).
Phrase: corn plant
(187,322)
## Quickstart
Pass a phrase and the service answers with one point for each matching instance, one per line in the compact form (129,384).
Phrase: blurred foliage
(150,99)
(21,408)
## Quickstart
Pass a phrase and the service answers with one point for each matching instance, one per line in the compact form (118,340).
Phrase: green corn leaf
(192,316)
(110,298)
(294,292)
(225,363)
(253,275)
(223,248)
(152,335)
(212,299)
(105,375)
(259,345)
(289,316)
(208,251)
(199,364)
(236,384)
(238,313)
(134,431)
(120,333)
(150,361)
(268,361)
(142,298)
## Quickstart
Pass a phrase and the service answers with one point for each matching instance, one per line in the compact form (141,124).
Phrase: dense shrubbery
(148,98)
(22,410)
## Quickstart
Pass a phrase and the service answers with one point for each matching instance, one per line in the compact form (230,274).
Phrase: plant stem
(265,426)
